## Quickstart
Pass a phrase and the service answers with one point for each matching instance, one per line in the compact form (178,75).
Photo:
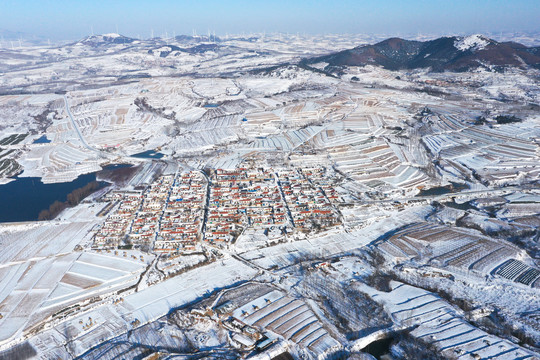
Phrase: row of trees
(73,198)
(77,195)
(500,119)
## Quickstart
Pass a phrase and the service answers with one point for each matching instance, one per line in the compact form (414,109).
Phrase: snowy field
(442,325)
(429,178)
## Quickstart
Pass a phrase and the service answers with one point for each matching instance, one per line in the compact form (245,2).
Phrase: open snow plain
(272,208)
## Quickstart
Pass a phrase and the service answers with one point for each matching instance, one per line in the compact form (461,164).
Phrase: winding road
(76,127)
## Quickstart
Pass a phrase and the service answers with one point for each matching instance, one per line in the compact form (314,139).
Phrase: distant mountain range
(106,39)
(167,50)
(441,54)
(158,46)
(445,53)
(20,37)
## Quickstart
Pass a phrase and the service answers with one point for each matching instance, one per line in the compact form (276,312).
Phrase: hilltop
(446,53)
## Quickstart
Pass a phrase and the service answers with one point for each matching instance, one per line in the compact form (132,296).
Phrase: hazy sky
(73,19)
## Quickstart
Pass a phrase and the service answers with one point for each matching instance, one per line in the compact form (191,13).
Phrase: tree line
(73,198)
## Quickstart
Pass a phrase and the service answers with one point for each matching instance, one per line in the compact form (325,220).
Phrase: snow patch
(473,42)
(111,35)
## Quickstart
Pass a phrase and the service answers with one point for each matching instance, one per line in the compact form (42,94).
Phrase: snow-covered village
(270,196)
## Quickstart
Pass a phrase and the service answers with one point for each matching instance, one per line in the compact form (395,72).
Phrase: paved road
(76,127)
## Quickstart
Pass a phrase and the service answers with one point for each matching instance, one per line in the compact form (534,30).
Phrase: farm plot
(134,128)
(94,273)
(20,243)
(365,159)
(24,287)
(59,163)
(217,89)
(438,323)
(298,115)
(32,291)
(261,124)
(207,133)
(9,168)
(287,141)
(13,139)
(519,272)
(288,317)
(496,155)
(449,247)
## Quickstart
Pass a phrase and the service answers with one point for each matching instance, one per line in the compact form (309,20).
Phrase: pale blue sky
(73,19)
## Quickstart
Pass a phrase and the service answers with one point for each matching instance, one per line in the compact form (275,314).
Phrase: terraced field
(290,318)
(459,249)
(438,323)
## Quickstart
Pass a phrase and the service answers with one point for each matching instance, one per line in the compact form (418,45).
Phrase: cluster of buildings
(167,216)
(146,224)
(319,177)
(183,218)
(114,228)
(242,198)
(176,212)
(308,203)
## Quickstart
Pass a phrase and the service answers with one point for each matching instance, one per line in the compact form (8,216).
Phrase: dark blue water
(24,198)
(441,190)
(150,154)
(42,140)
(464,206)
(117,166)
(211,105)
(379,348)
